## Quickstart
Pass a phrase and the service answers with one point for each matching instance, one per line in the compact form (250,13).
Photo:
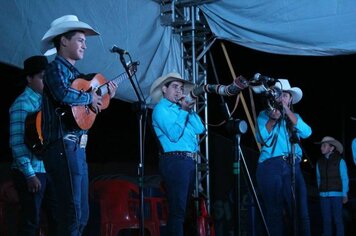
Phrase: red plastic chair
(158,209)
(204,220)
(119,207)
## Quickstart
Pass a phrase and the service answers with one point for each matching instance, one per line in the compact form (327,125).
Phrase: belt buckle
(83,140)
(288,159)
(191,155)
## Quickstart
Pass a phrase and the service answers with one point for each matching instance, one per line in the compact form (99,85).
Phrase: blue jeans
(274,183)
(178,173)
(69,171)
(31,204)
(331,210)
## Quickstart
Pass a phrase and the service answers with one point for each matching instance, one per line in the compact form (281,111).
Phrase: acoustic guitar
(84,116)
(33,132)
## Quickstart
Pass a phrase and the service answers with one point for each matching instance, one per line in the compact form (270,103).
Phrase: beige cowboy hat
(60,26)
(296,92)
(156,88)
(332,141)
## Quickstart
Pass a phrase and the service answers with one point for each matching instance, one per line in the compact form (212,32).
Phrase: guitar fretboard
(103,89)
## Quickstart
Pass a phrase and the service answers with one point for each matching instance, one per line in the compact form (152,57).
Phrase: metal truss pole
(187,20)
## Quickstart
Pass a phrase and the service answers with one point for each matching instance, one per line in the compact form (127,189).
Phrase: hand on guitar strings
(96,101)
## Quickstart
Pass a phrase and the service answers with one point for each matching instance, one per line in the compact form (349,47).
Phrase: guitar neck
(104,89)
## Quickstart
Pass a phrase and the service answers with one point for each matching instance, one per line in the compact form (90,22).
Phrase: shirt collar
(63,61)
(169,103)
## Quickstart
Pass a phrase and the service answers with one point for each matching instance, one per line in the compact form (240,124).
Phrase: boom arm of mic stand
(123,62)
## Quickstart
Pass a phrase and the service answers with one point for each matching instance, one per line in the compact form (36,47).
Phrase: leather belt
(287,158)
(283,157)
(180,153)
(71,137)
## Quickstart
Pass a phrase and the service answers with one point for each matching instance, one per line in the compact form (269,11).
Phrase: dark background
(327,104)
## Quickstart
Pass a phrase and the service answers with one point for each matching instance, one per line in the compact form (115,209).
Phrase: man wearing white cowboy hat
(32,183)
(278,131)
(176,126)
(333,185)
(65,157)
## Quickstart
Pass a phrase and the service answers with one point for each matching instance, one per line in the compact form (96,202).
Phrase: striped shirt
(58,93)
(24,160)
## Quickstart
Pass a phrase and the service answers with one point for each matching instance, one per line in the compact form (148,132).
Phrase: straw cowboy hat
(34,65)
(332,141)
(296,92)
(60,26)
(156,88)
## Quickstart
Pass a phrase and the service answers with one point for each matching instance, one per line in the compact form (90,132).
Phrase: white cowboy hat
(62,25)
(334,142)
(156,88)
(296,92)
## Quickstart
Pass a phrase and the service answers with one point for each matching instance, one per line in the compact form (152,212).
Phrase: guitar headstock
(132,67)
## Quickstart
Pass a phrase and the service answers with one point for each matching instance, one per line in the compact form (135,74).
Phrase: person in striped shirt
(34,186)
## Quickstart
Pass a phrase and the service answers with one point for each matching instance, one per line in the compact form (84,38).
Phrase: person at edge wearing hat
(32,183)
(353,145)
(333,185)
(65,157)
(279,129)
(176,125)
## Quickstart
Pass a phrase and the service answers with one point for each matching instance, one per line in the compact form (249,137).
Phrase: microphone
(262,78)
(116,49)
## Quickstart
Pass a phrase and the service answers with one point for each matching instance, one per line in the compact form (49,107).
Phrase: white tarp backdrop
(133,25)
(318,27)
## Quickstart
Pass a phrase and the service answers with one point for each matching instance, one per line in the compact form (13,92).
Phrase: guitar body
(84,115)
(33,132)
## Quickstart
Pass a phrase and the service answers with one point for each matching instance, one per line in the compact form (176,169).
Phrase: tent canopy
(320,27)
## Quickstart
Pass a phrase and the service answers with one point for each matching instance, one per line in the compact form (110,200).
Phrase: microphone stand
(237,127)
(236,171)
(294,140)
(141,109)
(236,168)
